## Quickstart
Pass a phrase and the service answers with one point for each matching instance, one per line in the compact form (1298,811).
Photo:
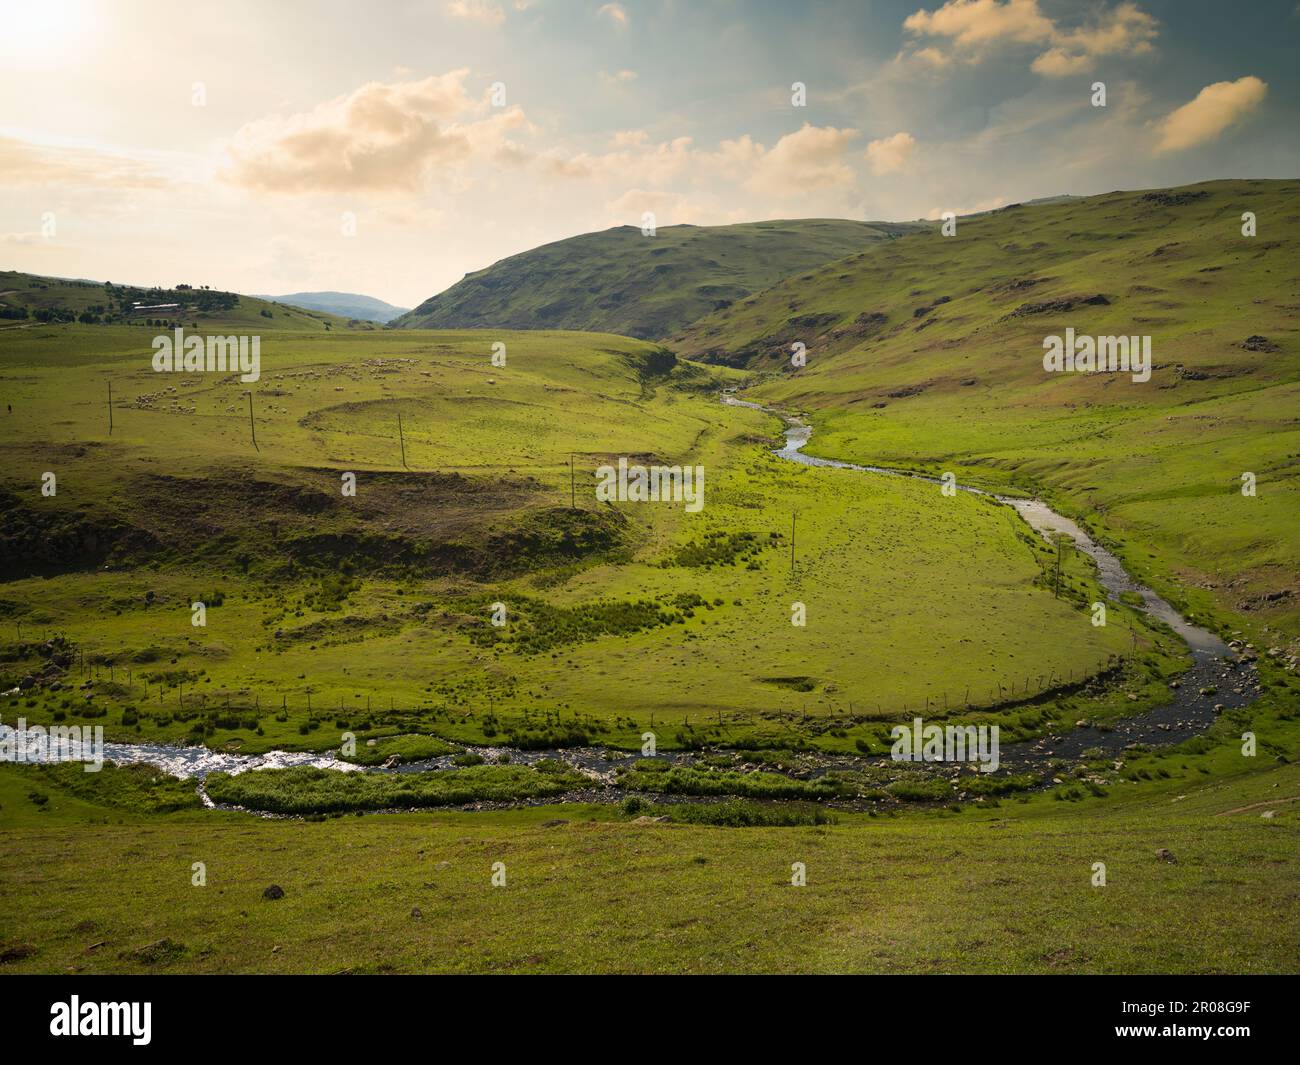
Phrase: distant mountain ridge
(344,304)
(621,281)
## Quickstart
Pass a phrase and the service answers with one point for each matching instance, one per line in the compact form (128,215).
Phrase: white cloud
(808,160)
(616,13)
(974,23)
(1126,30)
(933,57)
(1215,108)
(24,163)
(484,12)
(384,137)
(812,160)
(619,77)
(972,29)
(1058,63)
(669,208)
(889,155)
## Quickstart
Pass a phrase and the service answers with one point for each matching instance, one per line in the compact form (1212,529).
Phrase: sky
(389,147)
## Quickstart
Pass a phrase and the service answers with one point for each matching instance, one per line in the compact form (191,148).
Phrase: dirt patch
(43,543)
(1258,806)
(1058,305)
(1172,199)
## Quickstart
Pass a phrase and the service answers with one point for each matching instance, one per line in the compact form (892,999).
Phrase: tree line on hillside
(119,301)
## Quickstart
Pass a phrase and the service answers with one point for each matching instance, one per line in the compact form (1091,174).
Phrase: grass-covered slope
(619,281)
(926,352)
(30,300)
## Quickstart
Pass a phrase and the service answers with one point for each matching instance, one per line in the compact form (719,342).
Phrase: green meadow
(93,882)
(375,609)
(393,534)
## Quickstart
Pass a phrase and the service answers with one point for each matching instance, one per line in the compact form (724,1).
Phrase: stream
(1232,683)
(1214,665)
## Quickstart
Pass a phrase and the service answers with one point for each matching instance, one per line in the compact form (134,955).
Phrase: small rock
(555,822)
(417,913)
(1166,855)
(275,891)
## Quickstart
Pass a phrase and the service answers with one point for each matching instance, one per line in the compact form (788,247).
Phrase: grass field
(380,601)
(91,887)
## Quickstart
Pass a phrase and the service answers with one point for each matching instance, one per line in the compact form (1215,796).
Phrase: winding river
(1217,679)
(1215,669)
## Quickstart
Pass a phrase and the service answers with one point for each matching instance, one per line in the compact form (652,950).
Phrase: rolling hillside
(620,281)
(927,353)
(344,304)
(30,299)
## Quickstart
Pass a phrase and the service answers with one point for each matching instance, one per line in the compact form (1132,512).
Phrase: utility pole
(251,427)
(573,488)
(401,439)
(793,516)
(1058,566)
(110,408)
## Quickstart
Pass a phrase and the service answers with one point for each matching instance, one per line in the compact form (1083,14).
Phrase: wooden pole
(251,427)
(573,490)
(401,439)
(110,408)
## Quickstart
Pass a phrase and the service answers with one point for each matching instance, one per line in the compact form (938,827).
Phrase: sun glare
(31,26)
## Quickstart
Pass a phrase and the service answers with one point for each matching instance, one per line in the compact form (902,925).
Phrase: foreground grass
(96,889)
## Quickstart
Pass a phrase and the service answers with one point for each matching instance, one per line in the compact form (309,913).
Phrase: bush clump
(304,790)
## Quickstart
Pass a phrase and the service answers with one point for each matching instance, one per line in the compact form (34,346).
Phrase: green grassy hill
(926,352)
(620,281)
(32,300)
